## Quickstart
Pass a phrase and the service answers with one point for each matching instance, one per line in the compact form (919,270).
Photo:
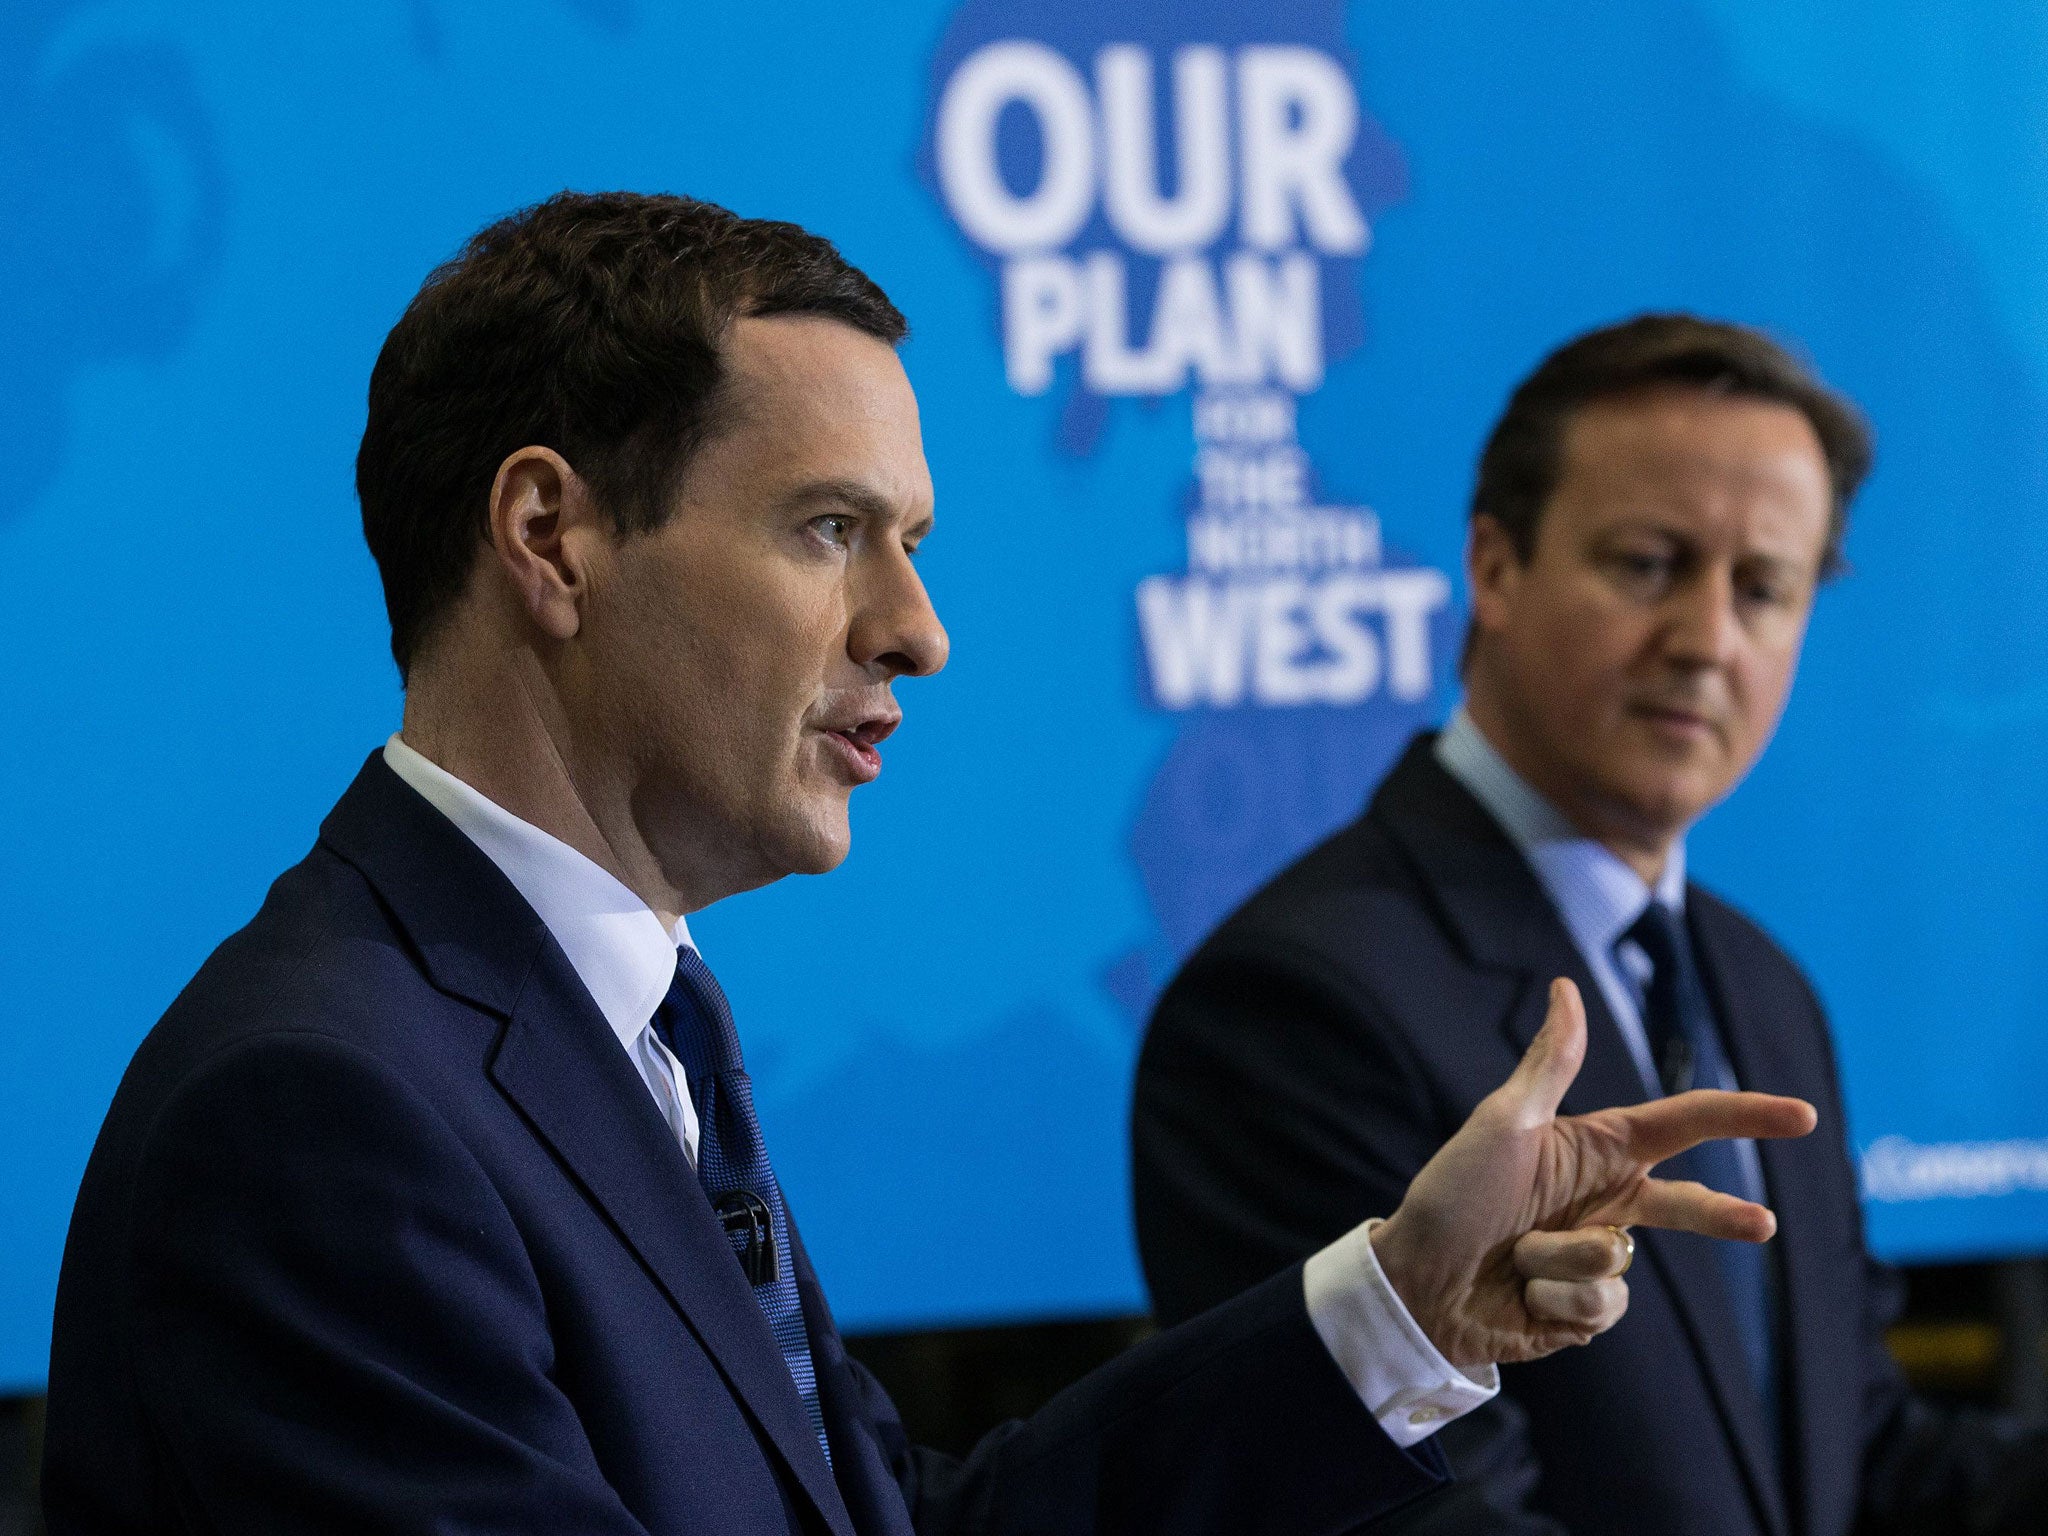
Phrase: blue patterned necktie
(695,1022)
(1686,1044)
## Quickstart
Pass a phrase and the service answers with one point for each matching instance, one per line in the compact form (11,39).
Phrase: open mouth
(856,745)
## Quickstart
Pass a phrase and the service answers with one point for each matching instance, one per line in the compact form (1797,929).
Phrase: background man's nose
(1705,629)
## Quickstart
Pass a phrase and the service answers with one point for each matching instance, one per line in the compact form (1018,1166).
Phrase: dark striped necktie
(695,1022)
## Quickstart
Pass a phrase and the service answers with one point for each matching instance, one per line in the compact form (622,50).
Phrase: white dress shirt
(618,948)
(626,960)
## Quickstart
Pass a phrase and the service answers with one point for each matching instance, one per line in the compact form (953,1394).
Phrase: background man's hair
(1519,468)
(590,324)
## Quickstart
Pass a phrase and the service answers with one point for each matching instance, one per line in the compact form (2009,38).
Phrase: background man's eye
(1642,563)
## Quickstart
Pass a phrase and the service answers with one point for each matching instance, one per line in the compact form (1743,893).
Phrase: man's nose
(1704,629)
(895,629)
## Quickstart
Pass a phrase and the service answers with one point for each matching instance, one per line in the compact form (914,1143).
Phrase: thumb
(1552,1060)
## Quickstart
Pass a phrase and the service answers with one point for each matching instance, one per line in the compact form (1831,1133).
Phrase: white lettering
(1034,76)
(1408,598)
(1340,625)
(1187,325)
(1896,1169)
(1295,640)
(1272,477)
(1244,417)
(1042,317)
(1283,636)
(1195,640)
(1298,118)
(1278,316)
(1110,364)
(1200,206)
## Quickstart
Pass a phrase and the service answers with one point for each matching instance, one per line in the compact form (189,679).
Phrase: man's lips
(854,745)
(1677,719)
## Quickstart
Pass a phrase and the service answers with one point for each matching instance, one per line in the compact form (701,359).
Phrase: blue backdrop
(1211,315)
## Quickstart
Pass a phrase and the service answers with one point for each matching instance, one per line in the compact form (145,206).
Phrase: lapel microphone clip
(751,1231)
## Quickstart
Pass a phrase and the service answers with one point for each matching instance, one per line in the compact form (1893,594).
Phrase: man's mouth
(854,745)
(1677,719)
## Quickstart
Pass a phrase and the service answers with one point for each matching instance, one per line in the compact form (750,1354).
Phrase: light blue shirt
(1595,893)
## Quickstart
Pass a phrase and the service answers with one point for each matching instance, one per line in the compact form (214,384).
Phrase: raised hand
(1510,1243)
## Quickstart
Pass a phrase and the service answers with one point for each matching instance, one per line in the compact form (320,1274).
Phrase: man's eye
(833,528)
(1642,564)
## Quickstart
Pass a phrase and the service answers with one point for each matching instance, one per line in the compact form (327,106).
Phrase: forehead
(1707,460)
(808,397)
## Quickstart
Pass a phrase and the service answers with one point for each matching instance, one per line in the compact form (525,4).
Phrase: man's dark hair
(1519,469)
(590,324)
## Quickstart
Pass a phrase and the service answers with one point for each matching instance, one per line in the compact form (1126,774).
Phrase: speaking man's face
(1639,661)
(741,656)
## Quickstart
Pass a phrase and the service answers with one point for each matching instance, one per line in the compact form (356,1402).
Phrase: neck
(1642,846)
(494,719)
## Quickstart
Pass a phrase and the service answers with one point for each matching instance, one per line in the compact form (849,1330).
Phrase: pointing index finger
(1663,1128)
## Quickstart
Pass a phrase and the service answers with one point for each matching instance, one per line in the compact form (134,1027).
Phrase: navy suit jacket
(1337,1029)
(384,1233)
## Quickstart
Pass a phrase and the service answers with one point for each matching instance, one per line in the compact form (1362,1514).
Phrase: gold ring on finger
(1628,1243)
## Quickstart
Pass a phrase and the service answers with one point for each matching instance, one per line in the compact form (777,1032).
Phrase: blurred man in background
(1654,513)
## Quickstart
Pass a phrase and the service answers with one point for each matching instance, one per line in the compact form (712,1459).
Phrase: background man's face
(741,656)
(1635,667)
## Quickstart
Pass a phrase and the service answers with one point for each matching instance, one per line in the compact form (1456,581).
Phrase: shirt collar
(1598,896)
(618,948)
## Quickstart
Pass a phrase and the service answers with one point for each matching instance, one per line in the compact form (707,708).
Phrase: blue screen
(1211,312)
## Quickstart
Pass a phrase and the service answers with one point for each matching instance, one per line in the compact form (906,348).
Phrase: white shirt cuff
(1402,1378)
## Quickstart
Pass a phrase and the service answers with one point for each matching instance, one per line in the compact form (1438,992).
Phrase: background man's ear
(1493,568)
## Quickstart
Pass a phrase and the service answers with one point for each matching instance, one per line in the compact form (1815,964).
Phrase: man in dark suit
(437,1201)
(1653,514)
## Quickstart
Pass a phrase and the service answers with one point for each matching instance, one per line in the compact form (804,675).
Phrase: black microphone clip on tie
(751,1230)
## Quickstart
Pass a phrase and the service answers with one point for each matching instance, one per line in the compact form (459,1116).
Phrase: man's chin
(815,841)
(1666,802)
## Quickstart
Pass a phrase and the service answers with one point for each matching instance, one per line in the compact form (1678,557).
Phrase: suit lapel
(560,1064)
(1492,902)
(1692,1275)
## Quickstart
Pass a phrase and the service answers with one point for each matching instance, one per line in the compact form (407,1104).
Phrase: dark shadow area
(1974,1334)
(21,1453)
(953,1385)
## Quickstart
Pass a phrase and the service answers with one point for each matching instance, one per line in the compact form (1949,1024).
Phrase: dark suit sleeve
(1276,1109)
(1236,1424)
(336,1327)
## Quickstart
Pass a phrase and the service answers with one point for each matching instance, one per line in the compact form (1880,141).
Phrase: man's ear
(542,516)
(1493,568)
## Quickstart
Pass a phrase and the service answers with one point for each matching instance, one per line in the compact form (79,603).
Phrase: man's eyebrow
(855,497)
(850,494)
